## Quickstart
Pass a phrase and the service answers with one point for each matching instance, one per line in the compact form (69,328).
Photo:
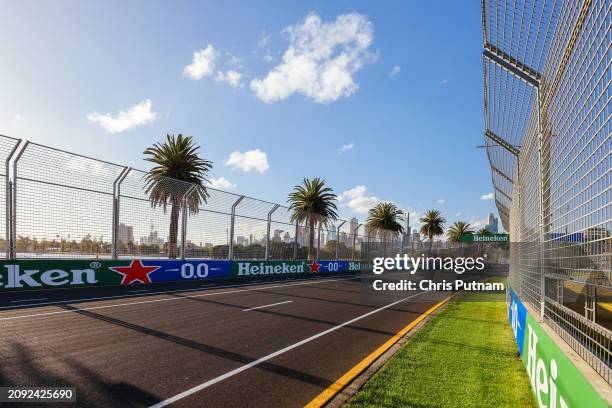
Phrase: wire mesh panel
(7,147)
(547,71)
(64,204)
(150,216)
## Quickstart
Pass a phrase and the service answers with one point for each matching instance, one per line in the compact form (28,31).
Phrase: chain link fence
(547,74)
(59,204)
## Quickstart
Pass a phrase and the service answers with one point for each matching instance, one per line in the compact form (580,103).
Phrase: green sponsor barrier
(35,274)
(555,380)
(248,268)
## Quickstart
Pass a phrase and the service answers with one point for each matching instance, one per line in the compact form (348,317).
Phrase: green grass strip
(463,357)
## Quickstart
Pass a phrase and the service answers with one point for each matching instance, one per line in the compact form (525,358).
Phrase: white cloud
(221,183)
(135,116)
(441,200)
(395,70)
(247,161)
(357,200)
(489,196)
(85,166)
(344,148)
(444,82)
(203,63)
(231,77)
(320,61)
(477,224)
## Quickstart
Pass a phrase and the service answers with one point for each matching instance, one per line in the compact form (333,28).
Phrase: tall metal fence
(547,113)
(65,205)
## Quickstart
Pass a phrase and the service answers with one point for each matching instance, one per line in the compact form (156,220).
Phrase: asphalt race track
(257,344)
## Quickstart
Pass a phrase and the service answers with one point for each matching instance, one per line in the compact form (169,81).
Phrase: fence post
(541,215)
(116,192)
(318,241)
(268,230)
(338,237)
(185,209)
(295,241)
(231,233)
(13,243)
(9,204)
(354,241)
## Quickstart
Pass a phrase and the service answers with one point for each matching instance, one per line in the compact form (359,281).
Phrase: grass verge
(465,356)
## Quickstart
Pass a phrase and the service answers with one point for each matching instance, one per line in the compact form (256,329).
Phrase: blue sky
(397,83)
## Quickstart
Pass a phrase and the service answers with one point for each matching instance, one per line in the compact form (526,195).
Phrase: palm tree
(384,219)
(176,159)
(433,225)
(312,203)
(484,232)
(457,229)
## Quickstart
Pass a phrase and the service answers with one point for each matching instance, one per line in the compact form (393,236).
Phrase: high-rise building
(287,238)
(353,229)
(125,233)
(331,235)
(277,235)
(492,223)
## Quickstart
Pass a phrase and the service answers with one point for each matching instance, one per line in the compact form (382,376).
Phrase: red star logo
(314,267)
(136,272)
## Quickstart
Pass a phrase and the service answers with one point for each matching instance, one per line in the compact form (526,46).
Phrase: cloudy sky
(381,99)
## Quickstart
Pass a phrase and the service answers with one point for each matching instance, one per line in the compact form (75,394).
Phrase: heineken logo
(543,376)
(13,276)
(268,268)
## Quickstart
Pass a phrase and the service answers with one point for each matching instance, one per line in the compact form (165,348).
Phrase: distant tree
(312,203)
(176,159)
(457,229)
(384,220)
(484,232)
(433,225)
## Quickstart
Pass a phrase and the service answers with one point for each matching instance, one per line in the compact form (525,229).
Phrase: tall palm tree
(433,225)
(176,159)
(457,229)
(384,219)
(313,203)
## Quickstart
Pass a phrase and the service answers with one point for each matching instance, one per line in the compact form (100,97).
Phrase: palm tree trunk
(173,238)
(311,238)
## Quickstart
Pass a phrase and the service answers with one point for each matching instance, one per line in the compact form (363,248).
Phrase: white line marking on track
(270,305)
(272,355)
(27,300)
(308,282)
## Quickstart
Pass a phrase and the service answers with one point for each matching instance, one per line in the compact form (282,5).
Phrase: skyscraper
(353,230)
(492,223)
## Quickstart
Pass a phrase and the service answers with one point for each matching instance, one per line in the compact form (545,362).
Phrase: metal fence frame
(40,170)
(547,74)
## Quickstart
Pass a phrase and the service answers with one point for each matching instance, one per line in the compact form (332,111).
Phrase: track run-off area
(260,343)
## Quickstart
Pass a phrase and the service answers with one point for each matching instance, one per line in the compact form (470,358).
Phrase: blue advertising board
(517,314)
(176,270)
(332,266)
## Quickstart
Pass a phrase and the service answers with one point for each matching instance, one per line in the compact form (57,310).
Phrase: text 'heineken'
(249,268)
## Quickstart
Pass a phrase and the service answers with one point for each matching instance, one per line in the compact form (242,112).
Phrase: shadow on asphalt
(108,392)
(216,351)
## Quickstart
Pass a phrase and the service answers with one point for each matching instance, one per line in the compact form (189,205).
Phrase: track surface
(141,348)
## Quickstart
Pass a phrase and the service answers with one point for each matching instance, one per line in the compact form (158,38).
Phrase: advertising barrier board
(62,273)
(555,381)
